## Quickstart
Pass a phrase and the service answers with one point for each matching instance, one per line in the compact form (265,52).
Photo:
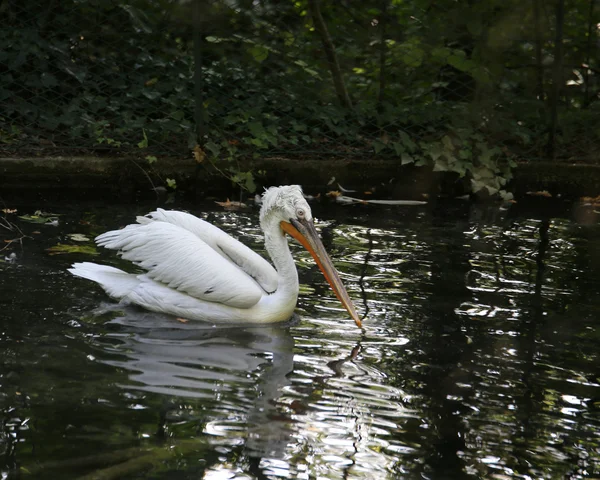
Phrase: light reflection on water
(478,359)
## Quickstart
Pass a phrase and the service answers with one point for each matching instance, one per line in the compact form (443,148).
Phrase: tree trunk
(538,51)
(382,54)
(557,78)
(334,67)
(197,17)
(591,26)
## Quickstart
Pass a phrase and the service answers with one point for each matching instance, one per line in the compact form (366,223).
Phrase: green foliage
(454,85)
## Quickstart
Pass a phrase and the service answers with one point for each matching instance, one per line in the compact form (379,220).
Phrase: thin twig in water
(12,227)
(147,176)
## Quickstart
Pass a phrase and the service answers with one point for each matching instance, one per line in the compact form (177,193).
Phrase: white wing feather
(176,257)
(245,258)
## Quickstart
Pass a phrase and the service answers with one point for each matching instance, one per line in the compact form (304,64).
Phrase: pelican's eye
(300,213)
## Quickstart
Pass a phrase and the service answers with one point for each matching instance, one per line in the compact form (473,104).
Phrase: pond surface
(479,356)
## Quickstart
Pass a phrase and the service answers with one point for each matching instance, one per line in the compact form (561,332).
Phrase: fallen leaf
(333,193)
(78,237)
(229,205)
(182,320)
(61,249)
(593,201)
(542,193)
(33,218)
(40,219)
(9,210)
(199,154)
(46,214)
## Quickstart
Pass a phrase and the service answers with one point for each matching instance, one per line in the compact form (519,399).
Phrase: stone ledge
(118,174)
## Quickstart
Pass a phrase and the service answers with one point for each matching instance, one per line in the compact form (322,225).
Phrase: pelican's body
(196,271)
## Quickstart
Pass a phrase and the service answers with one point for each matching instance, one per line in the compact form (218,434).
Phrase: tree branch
(334,66)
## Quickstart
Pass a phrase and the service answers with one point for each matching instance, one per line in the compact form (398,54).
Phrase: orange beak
(305,232)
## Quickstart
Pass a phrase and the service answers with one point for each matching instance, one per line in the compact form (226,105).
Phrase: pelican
(196,271)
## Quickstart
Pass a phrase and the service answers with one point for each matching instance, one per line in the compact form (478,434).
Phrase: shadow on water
(479,358)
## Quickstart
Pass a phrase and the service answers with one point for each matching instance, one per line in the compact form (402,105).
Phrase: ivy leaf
(465,154)
(447,141)
(256,129)
(407,141)
(143,143)
(474,26)
(441,165)
(138,18)
(406,159)
(78,74)
(434,151)
(250,183)
(413,54)
(178,115)
(213,148)
(487,154)
(441,54)
(458,59)
(259,53)
(492,190)
(477,185)
(48,80)
(398,148)
(378,146)
(151,94)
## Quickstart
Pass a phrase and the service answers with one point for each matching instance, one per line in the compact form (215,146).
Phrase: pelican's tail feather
(116,283)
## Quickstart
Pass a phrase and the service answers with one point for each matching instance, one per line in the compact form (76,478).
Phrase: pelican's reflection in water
(225,379)
(291,405)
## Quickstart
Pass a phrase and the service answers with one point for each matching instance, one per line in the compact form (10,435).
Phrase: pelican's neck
(277,246)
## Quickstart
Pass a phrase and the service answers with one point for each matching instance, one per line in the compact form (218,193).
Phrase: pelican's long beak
(305,232)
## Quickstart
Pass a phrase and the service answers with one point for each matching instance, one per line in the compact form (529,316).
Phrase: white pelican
(196,271)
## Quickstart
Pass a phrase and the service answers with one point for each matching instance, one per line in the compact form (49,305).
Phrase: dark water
(479,357)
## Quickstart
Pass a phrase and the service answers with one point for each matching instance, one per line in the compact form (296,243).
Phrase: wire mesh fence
(447,82)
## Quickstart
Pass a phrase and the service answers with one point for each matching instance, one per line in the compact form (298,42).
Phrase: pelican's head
(289,207)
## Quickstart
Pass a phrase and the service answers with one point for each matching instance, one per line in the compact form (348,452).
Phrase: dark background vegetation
(472,87)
